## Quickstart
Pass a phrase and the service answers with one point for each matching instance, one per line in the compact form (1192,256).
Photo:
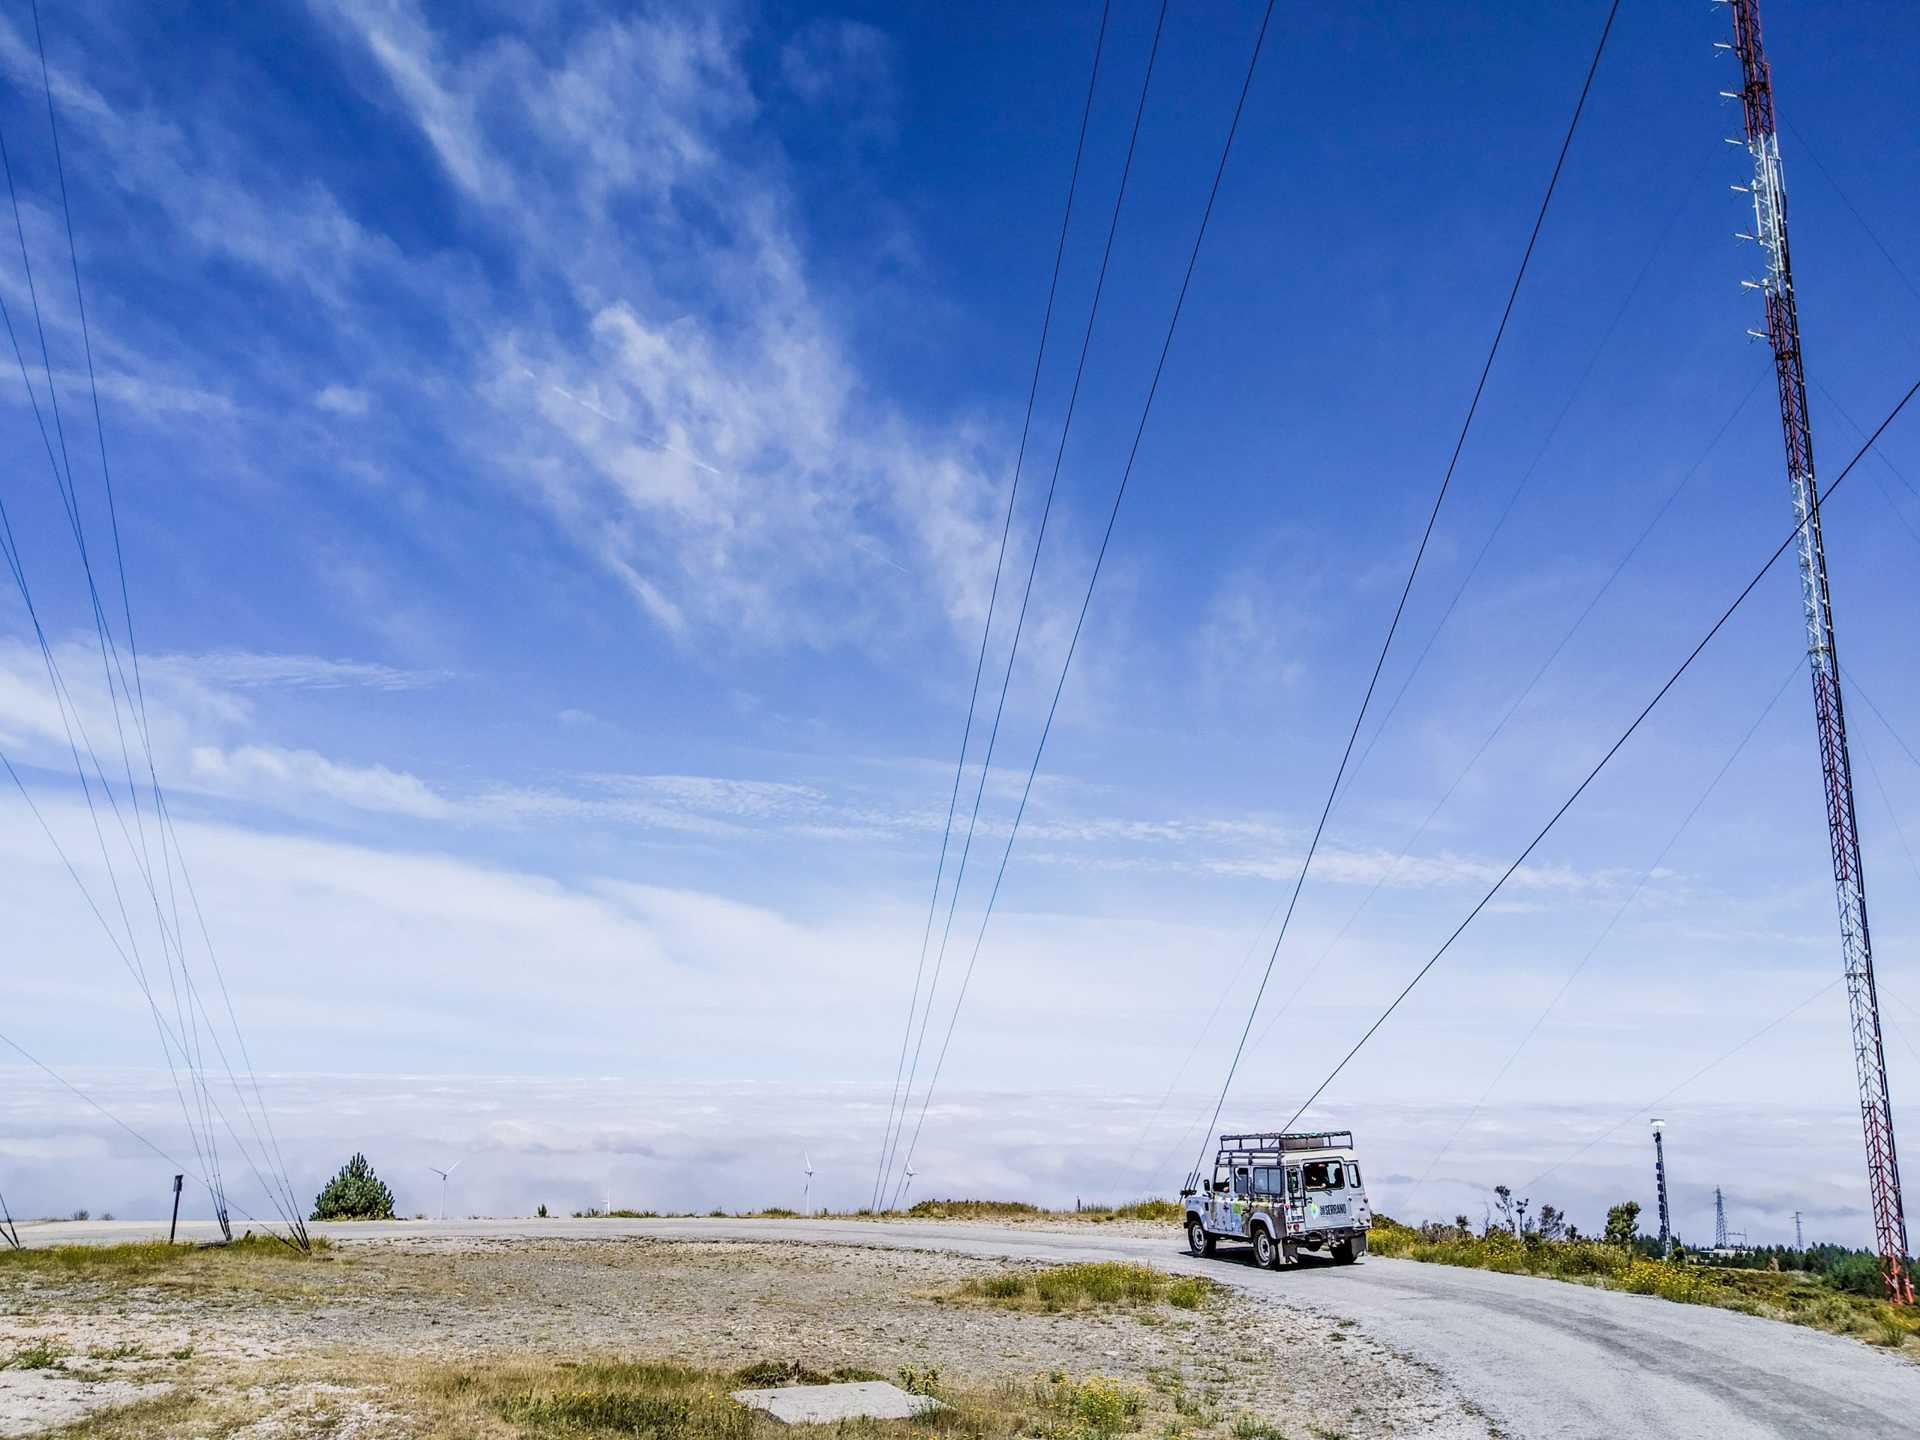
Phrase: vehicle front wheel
(1266,1254)
(1345,1253)
(1198,1240)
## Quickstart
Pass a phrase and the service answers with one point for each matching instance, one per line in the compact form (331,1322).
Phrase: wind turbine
(806,1194)
(443,1174)
(906,1187)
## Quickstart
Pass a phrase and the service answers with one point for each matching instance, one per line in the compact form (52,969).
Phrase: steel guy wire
(1533,465)
(1607,930)
(70,501)
(1667,1095)
(1892,813)
(137,694)
(1513,708)
(993,595)
(62,699)
(187,1170)
(1612,750)
(1113,515)
(1885,724)
(169,1040)
(1421,659)
(1433,516)
(1046,512)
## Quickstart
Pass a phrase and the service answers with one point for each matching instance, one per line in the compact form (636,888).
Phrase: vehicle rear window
(1324,1175)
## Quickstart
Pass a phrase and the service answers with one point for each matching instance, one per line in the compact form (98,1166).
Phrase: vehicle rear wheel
(1345,1253)
(1198,1240)
(1266,1254)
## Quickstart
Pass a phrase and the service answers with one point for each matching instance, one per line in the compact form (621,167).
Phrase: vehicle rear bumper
(1332,1235)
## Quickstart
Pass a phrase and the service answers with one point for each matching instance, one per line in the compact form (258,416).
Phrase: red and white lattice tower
(1856,949)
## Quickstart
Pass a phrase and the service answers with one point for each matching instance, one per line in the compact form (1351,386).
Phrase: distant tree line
(1855,1271)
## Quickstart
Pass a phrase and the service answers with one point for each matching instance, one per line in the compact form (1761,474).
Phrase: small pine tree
(1503,1202)
(1623,1220)
(1553,1223)
(356,1193)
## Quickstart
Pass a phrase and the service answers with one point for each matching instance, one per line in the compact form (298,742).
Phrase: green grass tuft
(1106,1284)
(1160,1211)
(40,1354)
(769,1374)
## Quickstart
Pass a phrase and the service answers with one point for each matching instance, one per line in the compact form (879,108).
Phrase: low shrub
(1097,1407)
(594,1212)
(919,1380)
(973,1210)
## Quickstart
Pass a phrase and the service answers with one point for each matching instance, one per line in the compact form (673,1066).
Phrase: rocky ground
(308,1349)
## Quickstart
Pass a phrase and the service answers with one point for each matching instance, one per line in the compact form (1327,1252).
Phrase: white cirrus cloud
(343,400)
(248,771)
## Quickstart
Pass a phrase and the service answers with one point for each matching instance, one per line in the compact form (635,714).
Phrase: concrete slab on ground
(824,1404)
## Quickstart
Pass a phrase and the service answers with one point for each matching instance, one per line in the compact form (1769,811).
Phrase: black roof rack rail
(1277,1141)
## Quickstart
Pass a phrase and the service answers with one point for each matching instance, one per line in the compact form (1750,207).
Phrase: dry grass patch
(142,1259)
(1105,1285)
(535,1398)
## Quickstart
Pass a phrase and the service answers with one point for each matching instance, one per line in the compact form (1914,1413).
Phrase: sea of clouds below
(571,1143)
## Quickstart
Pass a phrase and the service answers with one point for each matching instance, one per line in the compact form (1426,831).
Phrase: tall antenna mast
(1660,1187)
(1856,948)
(1719,1219)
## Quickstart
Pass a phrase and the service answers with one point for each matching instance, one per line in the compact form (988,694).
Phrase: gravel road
(1538,1357)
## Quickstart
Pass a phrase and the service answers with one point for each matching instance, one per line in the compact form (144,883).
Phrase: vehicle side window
(1293,1182)
(1266,1181)
(1242,1181)
(1353,1175)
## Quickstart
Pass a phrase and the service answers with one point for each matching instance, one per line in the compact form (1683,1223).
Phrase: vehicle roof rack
(1273,1142)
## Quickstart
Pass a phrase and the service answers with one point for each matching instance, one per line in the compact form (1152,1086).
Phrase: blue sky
(560,450)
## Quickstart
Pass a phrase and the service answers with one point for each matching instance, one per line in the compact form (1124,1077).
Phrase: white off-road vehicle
(1285,1195)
